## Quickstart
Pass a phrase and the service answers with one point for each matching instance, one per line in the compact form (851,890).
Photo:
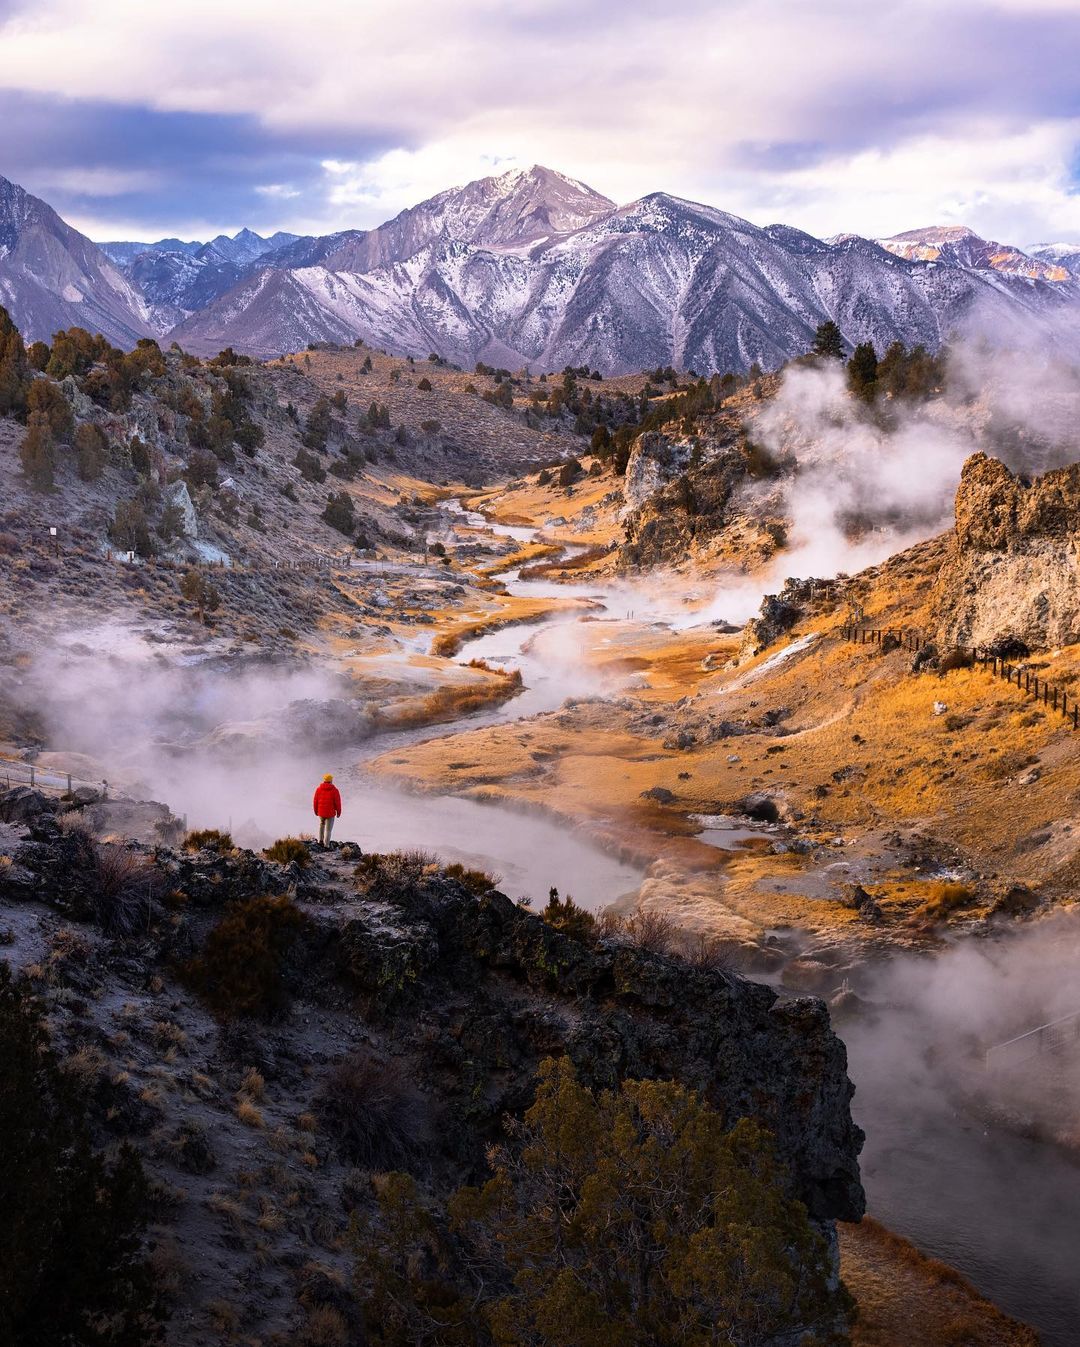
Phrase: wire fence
(1046,1038)
(908,638)
(16,772)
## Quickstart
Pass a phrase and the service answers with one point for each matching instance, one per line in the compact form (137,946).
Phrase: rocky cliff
(454,992)
(682,498)
(1011,572)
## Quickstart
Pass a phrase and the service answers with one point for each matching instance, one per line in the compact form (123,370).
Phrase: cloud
(828,112)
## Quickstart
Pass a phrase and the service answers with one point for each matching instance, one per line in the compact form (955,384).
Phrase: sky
(138,121)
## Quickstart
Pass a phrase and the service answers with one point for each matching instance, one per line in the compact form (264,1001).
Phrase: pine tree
(862,371)
(828,341)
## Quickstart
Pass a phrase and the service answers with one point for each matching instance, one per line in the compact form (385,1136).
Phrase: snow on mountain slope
(659,281)
(53,277)
(959,246)
(532,267)
(1064,255)
(513,211)
(535,268)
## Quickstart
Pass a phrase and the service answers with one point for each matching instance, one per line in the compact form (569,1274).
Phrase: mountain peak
(960,246)
(936,234)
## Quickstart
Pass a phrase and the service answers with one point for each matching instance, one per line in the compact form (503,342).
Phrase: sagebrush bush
(208,837)
(239,970)
(288,849)
(373,1111)
(394,867)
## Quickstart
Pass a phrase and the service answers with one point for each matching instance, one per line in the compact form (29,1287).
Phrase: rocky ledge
(214,1068)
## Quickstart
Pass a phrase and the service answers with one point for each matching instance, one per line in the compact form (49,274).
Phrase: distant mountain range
(529,268)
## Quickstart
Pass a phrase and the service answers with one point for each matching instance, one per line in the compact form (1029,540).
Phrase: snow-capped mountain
(956,245)
(177,279)
(1064,255)
(534,268)
(53,277)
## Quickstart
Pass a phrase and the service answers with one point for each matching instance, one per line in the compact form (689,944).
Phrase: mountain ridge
(533,267)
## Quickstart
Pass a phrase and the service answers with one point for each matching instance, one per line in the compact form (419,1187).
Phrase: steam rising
(862,483)
(951,1157)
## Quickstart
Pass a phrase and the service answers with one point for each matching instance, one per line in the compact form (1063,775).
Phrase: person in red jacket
(327,805)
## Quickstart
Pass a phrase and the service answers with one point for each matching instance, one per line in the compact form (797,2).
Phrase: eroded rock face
(1013,567)
(678,492)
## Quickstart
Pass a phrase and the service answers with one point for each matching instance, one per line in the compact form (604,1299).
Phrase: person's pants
(326,827)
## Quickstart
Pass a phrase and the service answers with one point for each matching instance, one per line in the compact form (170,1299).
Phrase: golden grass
(906,1298)
(531,552)
(579,562)
(514,612)
(451,702)
(248,1114)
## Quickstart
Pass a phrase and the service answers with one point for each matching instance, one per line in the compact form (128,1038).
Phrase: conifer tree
(828,341)
(862,371)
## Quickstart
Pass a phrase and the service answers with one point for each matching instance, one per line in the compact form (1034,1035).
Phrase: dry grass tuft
(287,850)
(248,1114)
(374,1112)
(324,1327)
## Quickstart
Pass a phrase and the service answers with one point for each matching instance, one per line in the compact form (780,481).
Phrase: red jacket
(327,801)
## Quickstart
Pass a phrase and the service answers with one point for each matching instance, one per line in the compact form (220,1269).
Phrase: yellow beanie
(328,777)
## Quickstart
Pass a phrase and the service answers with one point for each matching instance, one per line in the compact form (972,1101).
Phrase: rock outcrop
(1012,572)
(473,991)
(678,491)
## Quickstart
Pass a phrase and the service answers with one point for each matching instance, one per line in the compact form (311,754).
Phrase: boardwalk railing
(908,638)
(1046,1038)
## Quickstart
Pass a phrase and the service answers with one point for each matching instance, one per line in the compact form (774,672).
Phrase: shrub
(91,451)
(476,881)
(208,837)
(340,513)
(565,915)
(424,385)
(652,932)
(317,427)
(130,529)
(653,1181)
(45,397)
(629,1216)
(569,473)
(71,1262)
(201,591)
(239,970)
(311,470)
(376,1115)
(37,453)
(288,849)
(957,658)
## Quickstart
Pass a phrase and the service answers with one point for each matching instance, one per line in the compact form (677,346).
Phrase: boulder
(177,494)
(22,804)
